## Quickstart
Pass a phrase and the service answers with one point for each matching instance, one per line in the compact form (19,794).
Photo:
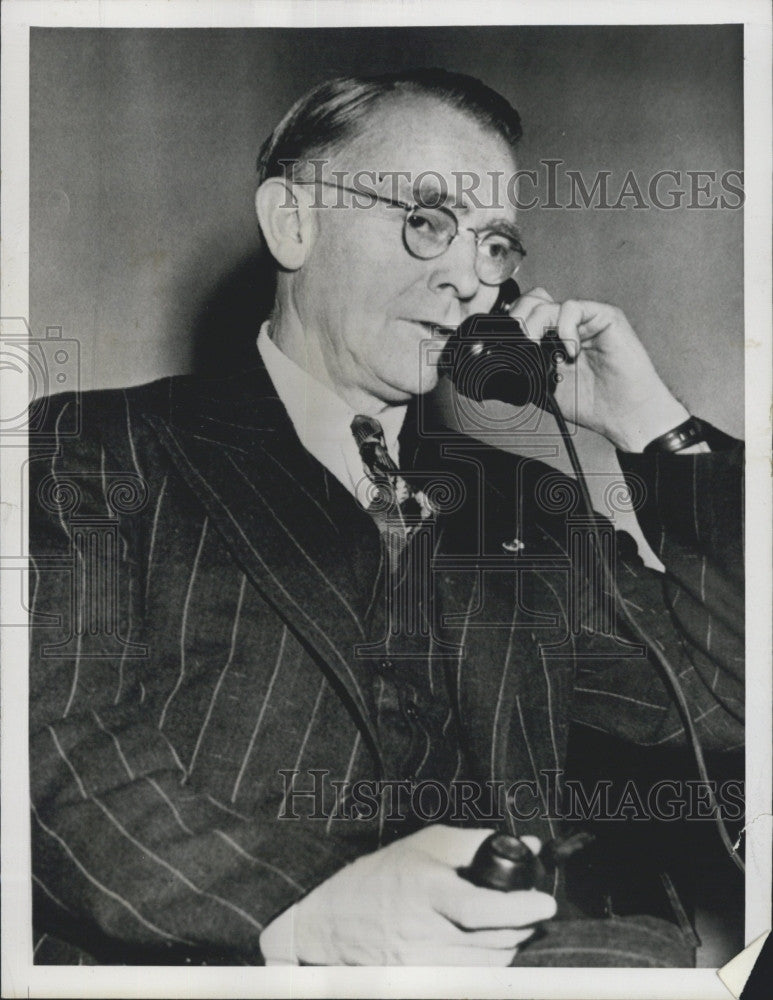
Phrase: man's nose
(456,267)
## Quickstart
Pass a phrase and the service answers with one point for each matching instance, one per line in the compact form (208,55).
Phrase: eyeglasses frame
(409,209)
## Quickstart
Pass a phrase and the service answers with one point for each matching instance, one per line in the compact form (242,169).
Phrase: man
(314,587)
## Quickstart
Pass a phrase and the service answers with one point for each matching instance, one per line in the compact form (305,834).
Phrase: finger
(570,318)
(508,938)
(453,845)
(472,907)
(533,843)
(536,316)
(581,320)
(540,293)
(432,954)
(277,940)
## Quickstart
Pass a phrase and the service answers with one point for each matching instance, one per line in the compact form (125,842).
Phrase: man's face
(366,299)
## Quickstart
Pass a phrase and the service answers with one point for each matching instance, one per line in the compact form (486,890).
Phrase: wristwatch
(681,437)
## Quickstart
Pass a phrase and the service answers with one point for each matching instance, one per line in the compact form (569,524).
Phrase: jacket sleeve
(125,851)
(690,508)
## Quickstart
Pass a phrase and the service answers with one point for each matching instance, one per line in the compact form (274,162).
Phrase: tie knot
(367,429)
(394,496)
(369,436)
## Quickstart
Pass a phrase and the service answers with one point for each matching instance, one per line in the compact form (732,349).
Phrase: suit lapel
(293,528)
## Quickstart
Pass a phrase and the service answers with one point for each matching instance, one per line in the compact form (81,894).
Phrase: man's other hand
(609,385)
(406,905)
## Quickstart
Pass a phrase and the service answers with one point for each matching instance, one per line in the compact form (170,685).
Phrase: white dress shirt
(322,420)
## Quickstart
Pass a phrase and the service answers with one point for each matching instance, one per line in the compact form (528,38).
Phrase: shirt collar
(322,420)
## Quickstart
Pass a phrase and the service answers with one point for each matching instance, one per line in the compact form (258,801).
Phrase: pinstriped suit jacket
(247,579)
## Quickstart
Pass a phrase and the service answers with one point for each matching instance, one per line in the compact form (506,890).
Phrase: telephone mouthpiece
(490,357)
(502,862)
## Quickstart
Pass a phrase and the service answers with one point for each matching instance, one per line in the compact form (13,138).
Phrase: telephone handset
(490,357)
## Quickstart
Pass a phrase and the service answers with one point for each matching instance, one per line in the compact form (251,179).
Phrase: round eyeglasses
(428,231)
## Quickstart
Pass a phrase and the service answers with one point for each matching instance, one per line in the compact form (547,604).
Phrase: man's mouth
(432,328)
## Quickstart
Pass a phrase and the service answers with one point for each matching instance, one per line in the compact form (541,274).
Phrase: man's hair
(336,111)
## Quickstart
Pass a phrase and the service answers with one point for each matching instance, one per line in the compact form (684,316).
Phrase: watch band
(686,434)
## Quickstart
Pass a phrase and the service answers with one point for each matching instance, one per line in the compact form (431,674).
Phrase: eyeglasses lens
(428,233)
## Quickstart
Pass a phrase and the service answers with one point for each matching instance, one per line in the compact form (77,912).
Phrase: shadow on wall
(228,320)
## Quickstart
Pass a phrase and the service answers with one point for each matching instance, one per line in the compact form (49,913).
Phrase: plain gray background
(144,244)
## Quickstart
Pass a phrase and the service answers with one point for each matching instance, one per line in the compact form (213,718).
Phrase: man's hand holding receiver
(406,904)
(609,385)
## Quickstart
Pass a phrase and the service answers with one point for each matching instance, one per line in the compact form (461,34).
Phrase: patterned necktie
(393,501)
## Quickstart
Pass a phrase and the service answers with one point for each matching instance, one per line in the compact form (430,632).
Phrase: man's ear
(285,221)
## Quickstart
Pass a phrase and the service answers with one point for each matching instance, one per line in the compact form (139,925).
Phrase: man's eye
(497,247)
(422,222)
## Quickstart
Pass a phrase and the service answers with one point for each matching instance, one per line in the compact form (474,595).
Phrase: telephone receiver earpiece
(490,356)
(509,293)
